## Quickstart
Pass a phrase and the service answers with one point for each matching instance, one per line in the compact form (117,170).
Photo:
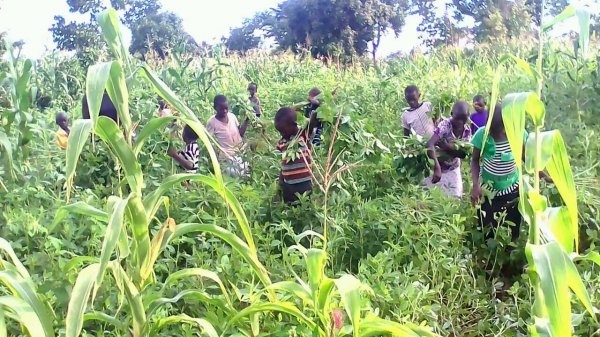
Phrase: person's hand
(476,194)
(437,174)
(172,152)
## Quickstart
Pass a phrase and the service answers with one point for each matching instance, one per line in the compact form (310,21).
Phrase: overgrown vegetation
(108,242)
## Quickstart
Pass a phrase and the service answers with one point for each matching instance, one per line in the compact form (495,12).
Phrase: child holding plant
(295,177)
(62,134)
(254,100)
(188,157)
(418,117)
(446,173)
(310,109)
(479,118)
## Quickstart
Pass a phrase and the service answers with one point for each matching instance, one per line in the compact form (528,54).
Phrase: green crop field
(112,238)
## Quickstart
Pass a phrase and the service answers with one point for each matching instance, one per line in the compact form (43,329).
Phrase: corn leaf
(7,250)
(109,132)
(555,224)
(80,133)
(158,244)
(293,288)
(349,288)
(80,208)
(549,265)
(20,311)
(577,286)
(188,117)
(324,293)
(2,323)
(141,238)
(21,87)
(108,21)
(194,295)
(238,245)
(25,290)
(583,18)
(207,328)
(79,298)
(104,318)
(375,326)
(6,151)
(133,297)
(152,126)
(95,85)
(283,307)
(200,273)
(116,87)
(567,13)
(315,267)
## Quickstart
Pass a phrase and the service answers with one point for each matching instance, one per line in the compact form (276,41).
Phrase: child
(498,176)
(295,176)
(418,117)
(107,108)
(163,109)
(479,118)
(311,109)
(254,100)
(228,133)
(188,158)
(62,134)
(446,173)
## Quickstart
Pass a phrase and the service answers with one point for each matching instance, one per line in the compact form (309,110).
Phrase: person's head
(62,120)
(162,104)
(497,125)
(460,114)
(189,135)
(286,122)
(252,89)
(412,96)
(314,92)
(107,108)
(479,103)
(221,105)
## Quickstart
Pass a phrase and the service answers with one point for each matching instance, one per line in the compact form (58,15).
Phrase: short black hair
(410,89)
(219,99)
(282,114)
(479,98)
(252,84)
(60,115)
(162,104)
(107,108)
(461,106)
(189,133)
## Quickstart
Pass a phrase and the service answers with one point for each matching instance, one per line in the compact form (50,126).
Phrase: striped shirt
(419,120)
(499,171)
(191,153)
(295,165)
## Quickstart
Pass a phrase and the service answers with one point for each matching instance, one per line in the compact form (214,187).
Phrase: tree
(334,27)
(243,38)
(159,32)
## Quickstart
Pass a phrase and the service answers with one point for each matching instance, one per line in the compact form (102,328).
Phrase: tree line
(330,28)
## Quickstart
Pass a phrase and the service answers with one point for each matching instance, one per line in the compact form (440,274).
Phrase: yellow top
(62,138)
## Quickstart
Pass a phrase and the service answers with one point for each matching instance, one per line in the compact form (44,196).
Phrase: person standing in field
(62,134)
(188,157)
(295,177)
(107,108)
(311,109)
(446,173)
(227,131)
(498,177)
(254,100)
(418,118)
(479,118)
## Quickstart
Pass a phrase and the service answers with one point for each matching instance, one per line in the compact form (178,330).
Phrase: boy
(295,176)
(228,133)
(499,176)
(62,134)
(254,100)
(188,158)
(418,117)
(107,108)
(446,173)
(163,109)
(311,109)
(479,118)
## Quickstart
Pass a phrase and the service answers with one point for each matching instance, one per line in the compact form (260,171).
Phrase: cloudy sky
(29,20)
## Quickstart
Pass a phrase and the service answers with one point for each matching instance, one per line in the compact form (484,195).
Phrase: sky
(204,22)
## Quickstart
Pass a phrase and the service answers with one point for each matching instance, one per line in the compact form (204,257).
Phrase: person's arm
(186,164)
(475,176)
(437,170)
(242,128)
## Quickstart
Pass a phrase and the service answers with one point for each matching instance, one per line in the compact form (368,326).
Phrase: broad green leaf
(224,192)
(79,298)
(21,311)
(293,288)
(80,208)
(375,326)
(111,238)
(577,286)
(108,21)
(324,293)
(25,290)
(21,87)
(141,238)
(152,126)
(116,87)
(79,136)
(555,224)
(549,265)
(104,318)
(238,245)
(526,67)
(7,250)
(200,273)
(207,328)
(108,130)
(591,256)
(349,288)
(315,267)
(192,295)
(96,81)
(188,117)
(158,244)
(567,13)
(283,307)
(133,297)
(583,18)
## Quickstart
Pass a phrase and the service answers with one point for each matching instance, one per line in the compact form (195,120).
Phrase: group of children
(495,183)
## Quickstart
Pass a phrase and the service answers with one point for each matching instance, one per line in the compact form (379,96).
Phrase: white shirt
(226,134)
(419,120)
